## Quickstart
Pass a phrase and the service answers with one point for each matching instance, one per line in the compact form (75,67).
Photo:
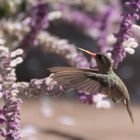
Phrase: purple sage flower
(39,21)
(129,17)
(10,112)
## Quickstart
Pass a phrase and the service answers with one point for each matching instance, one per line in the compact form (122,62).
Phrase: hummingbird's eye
(100,57)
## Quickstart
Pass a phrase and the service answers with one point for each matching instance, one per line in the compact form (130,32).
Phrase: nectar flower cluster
(129,17)
(10,111)
(39,87)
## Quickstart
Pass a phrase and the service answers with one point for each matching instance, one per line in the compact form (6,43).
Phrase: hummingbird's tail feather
(129,110)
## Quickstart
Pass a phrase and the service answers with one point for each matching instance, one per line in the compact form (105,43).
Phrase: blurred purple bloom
(129,17)
(97,99)
(39,16)
(64,48)
(39,21)
(106,25)
(77,17)
(86,98)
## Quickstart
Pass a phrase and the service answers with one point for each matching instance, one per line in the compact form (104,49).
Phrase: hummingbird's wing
(79,79)
(59,69)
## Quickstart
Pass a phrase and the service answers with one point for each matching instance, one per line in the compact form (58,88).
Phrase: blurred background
(49,31)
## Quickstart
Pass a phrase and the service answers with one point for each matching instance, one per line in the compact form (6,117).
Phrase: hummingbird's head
(103,61)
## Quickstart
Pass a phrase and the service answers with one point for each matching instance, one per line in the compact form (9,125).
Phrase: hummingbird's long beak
(92,54)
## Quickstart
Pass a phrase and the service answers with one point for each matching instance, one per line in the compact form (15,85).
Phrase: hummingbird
(101,79)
